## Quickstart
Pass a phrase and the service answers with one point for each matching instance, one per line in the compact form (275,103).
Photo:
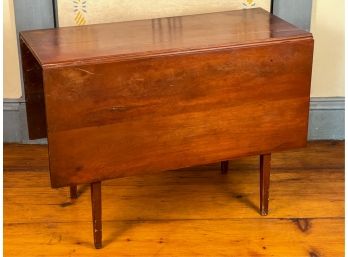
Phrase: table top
(144,38)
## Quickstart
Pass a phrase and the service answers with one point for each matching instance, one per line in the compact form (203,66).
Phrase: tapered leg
(265,170)
(96,214)
(224,167)
(73,192)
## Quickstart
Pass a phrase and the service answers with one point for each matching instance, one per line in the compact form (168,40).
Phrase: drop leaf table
(128,98)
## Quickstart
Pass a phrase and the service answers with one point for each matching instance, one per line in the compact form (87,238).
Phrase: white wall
(327,27)
(12,81)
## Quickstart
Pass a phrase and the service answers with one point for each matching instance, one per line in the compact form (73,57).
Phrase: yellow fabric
(80,12)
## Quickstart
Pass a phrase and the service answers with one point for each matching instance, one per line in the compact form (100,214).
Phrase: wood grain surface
(96,200)
(184,110)
(34,93)
(265,172)
(144,38)
(189,212)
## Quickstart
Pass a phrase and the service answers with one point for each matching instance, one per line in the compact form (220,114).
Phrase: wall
(12,82)
(21,15)
(327,27)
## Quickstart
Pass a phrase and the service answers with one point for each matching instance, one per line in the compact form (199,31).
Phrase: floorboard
(189,212)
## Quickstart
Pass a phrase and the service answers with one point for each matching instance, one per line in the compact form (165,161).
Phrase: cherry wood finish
(131,98)
(96,214)
(34,95)
(265,171)
(224,167)
(146,38)
(73,192)
(212,103)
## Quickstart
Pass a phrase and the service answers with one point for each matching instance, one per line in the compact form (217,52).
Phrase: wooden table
(137,97)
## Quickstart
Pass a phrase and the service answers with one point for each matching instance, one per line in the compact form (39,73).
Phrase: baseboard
(12,126)
(15,123)
(326,120)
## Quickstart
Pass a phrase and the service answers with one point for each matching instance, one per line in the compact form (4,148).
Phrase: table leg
(73,192)
(265,170)
(96,214)
(224,167)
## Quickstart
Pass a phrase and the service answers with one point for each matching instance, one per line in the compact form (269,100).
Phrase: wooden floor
(190,212)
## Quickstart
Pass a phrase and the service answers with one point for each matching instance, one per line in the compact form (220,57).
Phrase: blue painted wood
(30,15)
(297,12)
(33,14)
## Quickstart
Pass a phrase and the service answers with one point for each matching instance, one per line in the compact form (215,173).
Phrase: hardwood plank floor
(188,212)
